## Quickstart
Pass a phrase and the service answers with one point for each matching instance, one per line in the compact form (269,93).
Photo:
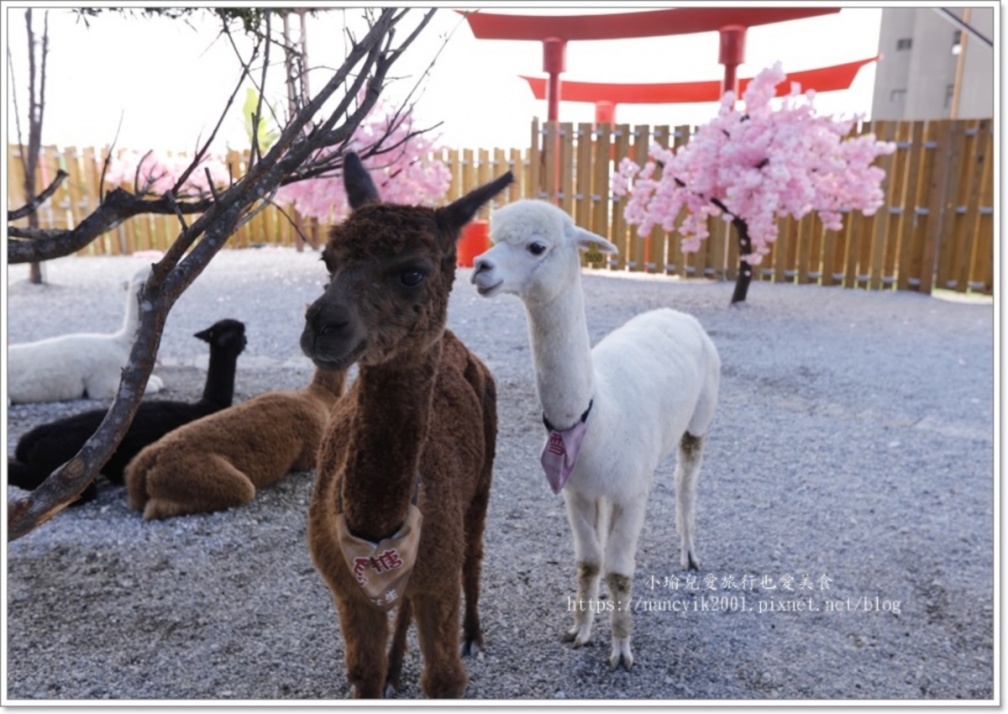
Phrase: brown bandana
(383,569)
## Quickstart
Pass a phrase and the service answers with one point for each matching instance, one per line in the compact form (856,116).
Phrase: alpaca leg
(208,484)
(365,632)
(472,634)
(686,473)
(404,616)
(475,519)
(584,515)
(135,477)
(437,617)
(621,563)
(102,385)
(154,384)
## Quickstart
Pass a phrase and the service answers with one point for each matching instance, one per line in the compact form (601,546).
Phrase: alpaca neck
(327,385)
(386,437)
(561,350)
(132,317)
(219,388)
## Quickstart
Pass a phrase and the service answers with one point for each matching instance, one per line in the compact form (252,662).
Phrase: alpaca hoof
(578,635)
(372,692)
(621,654)
(450,684)
(616,659)
(471,648)
(688,561)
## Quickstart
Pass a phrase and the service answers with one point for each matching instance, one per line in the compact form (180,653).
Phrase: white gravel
(853,445)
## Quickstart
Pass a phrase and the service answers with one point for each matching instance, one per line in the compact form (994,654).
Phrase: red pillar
(554,62)
(731,53)
(605,112)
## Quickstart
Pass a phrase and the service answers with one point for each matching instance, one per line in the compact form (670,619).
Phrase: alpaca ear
(359,186)
(205,335)
(585,240)
(452,217)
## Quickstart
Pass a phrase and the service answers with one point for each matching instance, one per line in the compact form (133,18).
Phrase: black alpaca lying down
(48,446)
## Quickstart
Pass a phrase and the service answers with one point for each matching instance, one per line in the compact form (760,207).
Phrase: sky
(162,84)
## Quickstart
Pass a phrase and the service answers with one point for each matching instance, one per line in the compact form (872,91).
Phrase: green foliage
(267,132)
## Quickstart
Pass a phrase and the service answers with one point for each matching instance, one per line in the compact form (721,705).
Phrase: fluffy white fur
(79,364)
(653,385)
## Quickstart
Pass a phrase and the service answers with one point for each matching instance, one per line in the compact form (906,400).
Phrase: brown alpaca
(222,460)
(418,425)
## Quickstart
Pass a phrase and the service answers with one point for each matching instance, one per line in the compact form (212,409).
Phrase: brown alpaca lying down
(221,460)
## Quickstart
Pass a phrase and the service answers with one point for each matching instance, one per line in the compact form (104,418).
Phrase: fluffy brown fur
(222,460)
(422,407)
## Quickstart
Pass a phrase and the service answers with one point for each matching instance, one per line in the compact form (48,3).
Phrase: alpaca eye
(536,248)
(411,278)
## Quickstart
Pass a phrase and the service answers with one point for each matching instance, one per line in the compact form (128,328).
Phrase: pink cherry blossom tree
(396,154)
(156,172)
(753,166)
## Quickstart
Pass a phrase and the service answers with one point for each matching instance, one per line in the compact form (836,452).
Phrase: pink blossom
(761,162)
(402,175)
(157,172)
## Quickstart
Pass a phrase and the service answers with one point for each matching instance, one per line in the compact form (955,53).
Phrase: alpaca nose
(482,265)
(327,319)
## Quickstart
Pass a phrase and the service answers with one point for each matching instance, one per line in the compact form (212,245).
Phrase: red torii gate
(554,31)
(606,96)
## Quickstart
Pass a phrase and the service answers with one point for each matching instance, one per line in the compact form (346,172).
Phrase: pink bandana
(560,454)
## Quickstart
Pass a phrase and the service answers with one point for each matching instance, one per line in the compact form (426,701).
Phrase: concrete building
(931,67)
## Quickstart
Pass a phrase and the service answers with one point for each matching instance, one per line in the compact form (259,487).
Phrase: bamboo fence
(935,230)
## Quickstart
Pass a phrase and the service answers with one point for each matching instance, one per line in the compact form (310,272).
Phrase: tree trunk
(36,110)
(745,268)
(35,269)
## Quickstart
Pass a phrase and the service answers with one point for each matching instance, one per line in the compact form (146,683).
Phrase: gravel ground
(851,459)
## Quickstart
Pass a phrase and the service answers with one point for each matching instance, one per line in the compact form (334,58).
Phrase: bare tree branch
(45,63)
(267,201)
(136,175)
(32,141)
(294,224)
(178,213)
(17,113)
(255,152)
(368,61)
(198,158)
(108,160)
(34,204)
(118,205)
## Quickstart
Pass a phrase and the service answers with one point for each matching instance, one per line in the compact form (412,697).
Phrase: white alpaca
(649,386)
(77,365)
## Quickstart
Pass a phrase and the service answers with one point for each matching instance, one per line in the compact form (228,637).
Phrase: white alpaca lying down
(612,413)
(77,365)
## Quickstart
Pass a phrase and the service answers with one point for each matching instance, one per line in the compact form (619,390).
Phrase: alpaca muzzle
(382,569)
